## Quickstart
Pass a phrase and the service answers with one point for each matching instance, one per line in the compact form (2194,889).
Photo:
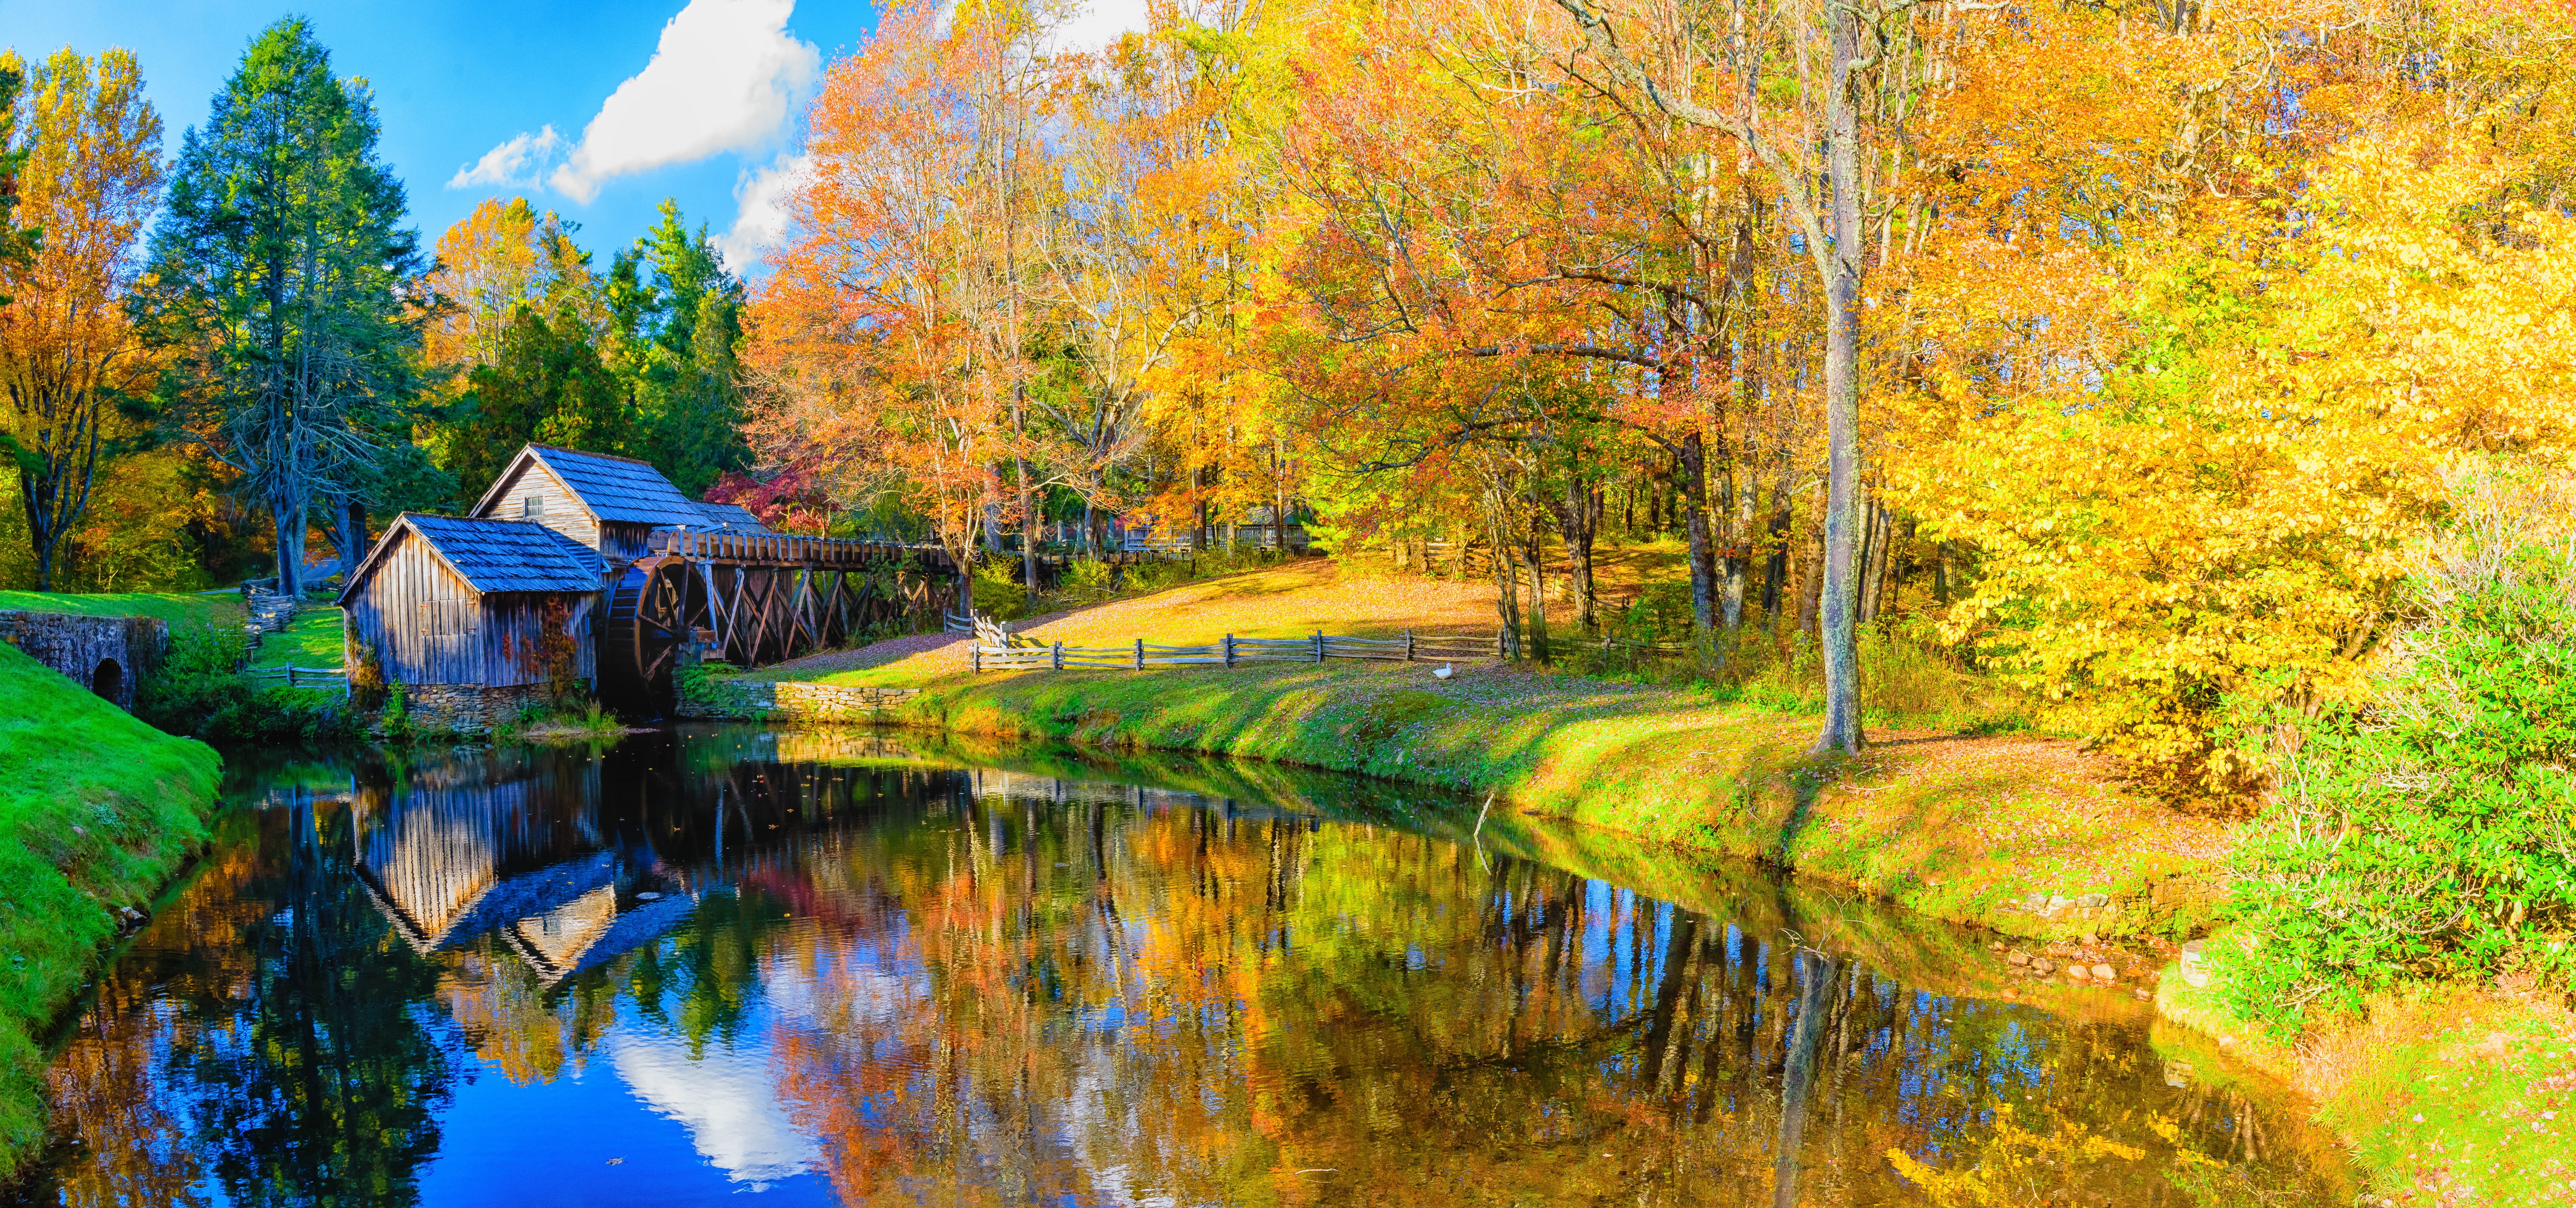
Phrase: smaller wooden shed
(459,611)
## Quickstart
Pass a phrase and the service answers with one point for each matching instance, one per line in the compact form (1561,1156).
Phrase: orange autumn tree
(884,346)
(90,179)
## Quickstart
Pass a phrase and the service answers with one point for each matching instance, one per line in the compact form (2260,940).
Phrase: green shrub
(2430,833)
(395,721)
(1090,580)
(999,594)
(198,690)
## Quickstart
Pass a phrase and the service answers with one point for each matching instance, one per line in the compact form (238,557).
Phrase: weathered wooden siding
(421,617)
(514,624)
(534,493)
(622,544)
(430,627)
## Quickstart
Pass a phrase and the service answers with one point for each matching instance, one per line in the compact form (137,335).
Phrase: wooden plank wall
(411,586)
(512,624)
(621,544)
(562,511)
(431,627)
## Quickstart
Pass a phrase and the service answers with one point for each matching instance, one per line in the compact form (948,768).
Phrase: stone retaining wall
(466,708)
(106,655)
(755,699)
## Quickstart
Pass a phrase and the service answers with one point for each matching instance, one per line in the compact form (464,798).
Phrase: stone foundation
(106,655)
(758,700)
(466,708)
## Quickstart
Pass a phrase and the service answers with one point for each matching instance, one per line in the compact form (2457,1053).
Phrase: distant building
(1256,527)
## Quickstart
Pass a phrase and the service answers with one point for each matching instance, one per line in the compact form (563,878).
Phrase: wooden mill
(639,575)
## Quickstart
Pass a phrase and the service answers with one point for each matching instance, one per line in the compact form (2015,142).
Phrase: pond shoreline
(102,816)
(1607,758)
(1766,801)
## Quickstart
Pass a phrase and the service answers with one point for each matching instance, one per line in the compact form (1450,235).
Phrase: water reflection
(831,969)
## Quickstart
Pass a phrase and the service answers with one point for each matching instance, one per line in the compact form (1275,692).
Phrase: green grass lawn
(174,607)
(97,809)
(312,639)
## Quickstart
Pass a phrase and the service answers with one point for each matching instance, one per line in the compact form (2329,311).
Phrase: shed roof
(492,555)
(732,518)
(619,490)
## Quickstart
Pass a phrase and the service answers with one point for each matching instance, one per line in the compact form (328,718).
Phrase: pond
(829,968)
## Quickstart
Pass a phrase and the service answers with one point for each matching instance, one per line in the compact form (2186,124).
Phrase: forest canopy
(2119,350)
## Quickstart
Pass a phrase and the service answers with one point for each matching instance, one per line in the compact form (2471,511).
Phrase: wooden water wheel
(658,606)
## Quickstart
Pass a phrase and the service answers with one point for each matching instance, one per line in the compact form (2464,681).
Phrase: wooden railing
(1021,653)
(780,548)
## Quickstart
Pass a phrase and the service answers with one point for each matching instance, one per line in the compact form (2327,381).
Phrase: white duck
(1443,671)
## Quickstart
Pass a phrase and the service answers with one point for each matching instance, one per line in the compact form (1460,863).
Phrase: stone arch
(109,681)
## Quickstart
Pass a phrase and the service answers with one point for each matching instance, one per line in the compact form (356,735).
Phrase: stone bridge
(103,654)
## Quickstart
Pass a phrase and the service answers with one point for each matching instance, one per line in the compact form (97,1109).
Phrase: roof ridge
(587,453)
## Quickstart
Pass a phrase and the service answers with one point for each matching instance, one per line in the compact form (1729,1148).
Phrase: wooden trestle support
(754,600)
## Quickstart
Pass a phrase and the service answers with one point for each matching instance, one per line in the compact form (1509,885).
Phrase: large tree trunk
(1578,519)
(1692,466)
(288,515)
(1533,556)
(37,494)
(1506,598)
(1735,497)
(1029,524)
(1841,730)
(1775,578)
(351,539)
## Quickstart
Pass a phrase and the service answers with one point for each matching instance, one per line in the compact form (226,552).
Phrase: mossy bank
(2024,835)
(97,810)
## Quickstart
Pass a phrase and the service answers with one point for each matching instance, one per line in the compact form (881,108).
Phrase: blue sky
(709,94)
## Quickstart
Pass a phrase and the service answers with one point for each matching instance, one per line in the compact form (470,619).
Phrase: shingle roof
(732,518)
(508,555)
(620,489)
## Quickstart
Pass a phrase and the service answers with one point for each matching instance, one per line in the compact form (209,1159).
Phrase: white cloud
(725,77)
(516,164)
(763,198)
(1092,26)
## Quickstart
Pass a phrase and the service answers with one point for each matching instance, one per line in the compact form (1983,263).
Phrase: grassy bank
(97,810)
(2450,1095)
(2015,833)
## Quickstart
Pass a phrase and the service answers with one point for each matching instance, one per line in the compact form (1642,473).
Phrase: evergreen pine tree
(278,278)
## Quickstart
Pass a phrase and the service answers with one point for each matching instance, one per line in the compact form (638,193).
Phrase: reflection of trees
(277,1014)
(1259,1011)
(986,988)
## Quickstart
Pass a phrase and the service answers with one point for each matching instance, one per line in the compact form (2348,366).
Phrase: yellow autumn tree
(2219,522)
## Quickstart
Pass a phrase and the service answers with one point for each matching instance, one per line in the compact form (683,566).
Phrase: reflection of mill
(471,849)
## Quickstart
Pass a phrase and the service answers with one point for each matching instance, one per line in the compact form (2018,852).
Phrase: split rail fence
(1026,654)
(302,677)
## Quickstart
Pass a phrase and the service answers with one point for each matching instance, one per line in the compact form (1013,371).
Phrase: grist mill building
(606,551)
(456,608)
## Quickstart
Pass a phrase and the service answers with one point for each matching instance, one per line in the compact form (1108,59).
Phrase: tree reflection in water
(893,980)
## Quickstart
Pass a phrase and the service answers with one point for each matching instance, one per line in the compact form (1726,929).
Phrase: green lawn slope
(2451,1094)
(312,639)
(97,810)
(174,607)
